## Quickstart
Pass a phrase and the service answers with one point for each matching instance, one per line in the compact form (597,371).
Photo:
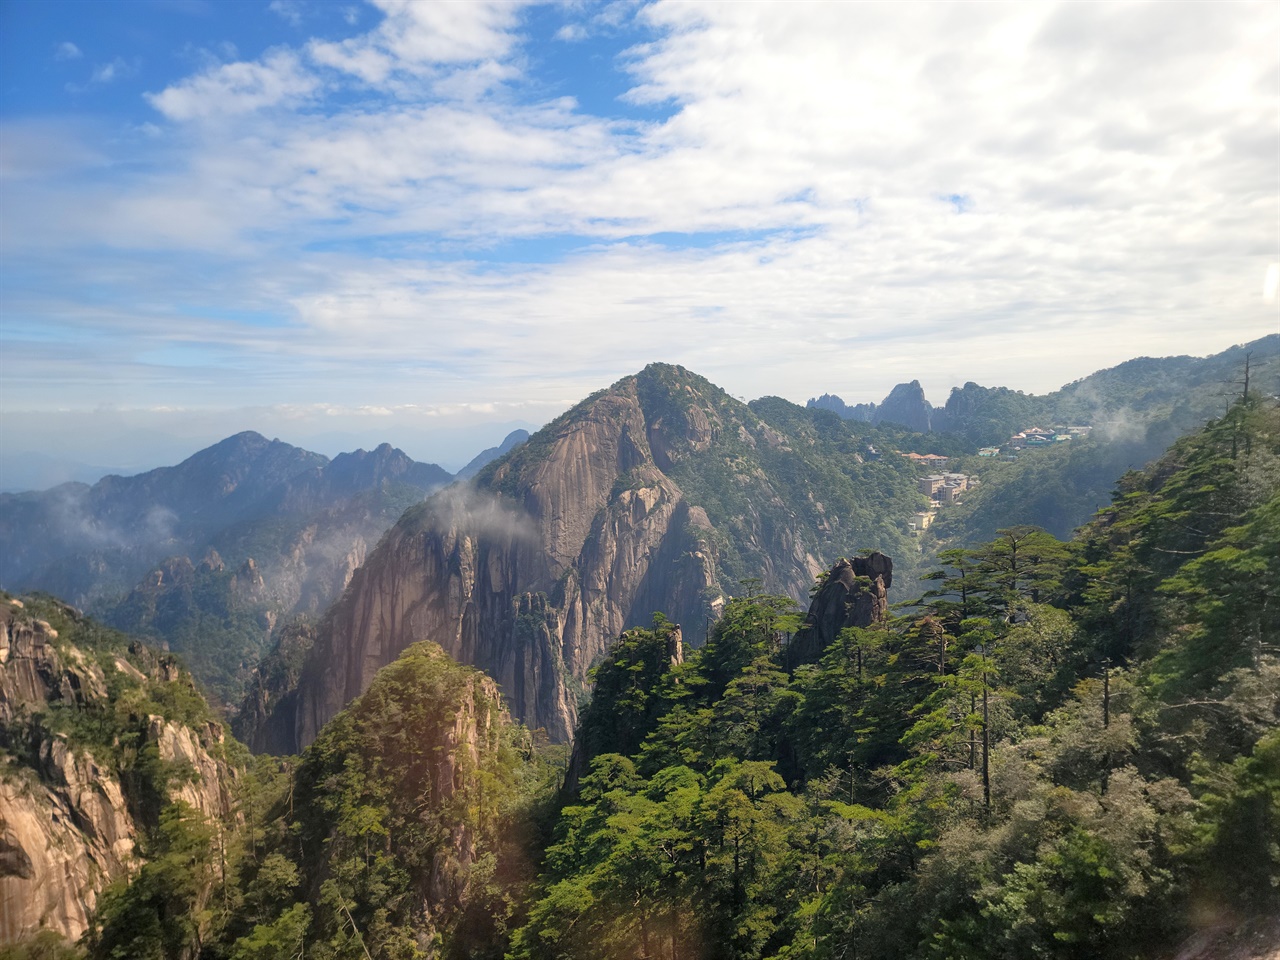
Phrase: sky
(342,223)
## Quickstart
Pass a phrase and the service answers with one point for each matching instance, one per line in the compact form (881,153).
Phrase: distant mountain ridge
(209,555)
(1144,385)
(81,542)
(486,457)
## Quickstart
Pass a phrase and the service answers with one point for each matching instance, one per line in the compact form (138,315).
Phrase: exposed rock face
(531,585)
(265,720)
(854,594)
(68,825)
(531,572)
(906,405)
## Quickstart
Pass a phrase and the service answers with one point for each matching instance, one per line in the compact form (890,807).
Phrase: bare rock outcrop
(68,824)
(659,494)
(854,594)
(531,571)
(529,574)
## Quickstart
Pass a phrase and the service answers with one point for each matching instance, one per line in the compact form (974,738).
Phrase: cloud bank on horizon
(300,205)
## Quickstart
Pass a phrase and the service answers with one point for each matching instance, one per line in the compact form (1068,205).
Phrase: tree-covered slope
(1068,750)
(401,832)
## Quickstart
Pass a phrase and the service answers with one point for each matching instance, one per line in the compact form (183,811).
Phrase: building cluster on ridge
(940,488)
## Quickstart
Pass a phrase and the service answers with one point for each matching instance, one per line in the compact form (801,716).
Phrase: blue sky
(341,223)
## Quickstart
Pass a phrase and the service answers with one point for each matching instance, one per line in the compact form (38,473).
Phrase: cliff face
(580,533)
(854,594)
(70,818)
(529,575)
(906,405)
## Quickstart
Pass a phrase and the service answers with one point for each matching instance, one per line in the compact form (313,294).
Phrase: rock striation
(581,532)
(70,816)
(529,574)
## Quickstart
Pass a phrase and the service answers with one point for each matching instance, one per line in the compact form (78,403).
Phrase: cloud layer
(789,199)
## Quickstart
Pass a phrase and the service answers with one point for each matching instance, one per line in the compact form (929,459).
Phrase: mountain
(81,542)
(485,457)
(859,411)
(1188,390)
(659,493)
(208,556)
(102,742)
(1061,750)
(905,406)
(1135,410)
(350,474)
(1065,751)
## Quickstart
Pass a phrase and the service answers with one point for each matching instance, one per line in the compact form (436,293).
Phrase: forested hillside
(1136,411)
(1063,749)
(1066,750)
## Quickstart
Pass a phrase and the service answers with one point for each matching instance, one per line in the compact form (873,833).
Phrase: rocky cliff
(89,752)
(906,405)
(854,593)
(529,575)
(657,494)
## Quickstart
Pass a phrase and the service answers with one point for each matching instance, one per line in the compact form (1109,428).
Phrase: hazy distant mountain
(659,493)
(1137,409)
(80,542)
(1187,389)
(485,457)
(207,556)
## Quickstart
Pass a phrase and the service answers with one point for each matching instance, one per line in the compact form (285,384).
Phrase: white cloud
(36,149)
(572,33)
(67,51)
(449,31)
(110,72)
(290,11)
(1118,163)
(105,73)
(430,41)
(232,88)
